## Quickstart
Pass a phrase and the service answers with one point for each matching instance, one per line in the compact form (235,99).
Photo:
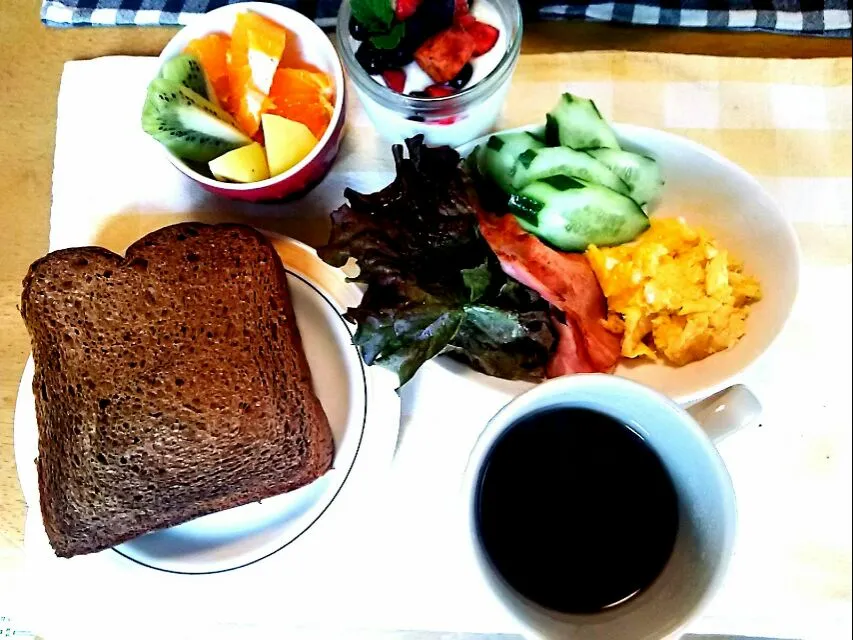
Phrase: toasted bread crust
(169,384)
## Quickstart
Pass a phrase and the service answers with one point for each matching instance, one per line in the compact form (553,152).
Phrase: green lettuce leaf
(477,280)
(433,285)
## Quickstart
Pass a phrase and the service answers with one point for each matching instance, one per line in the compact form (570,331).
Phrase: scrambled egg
(673,293)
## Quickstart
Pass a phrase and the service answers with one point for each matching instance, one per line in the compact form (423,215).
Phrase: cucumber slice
(497,157)
(640,173)
(535,164)
(571,214)
(576,122)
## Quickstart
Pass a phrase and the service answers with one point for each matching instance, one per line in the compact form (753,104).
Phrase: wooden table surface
(29,80)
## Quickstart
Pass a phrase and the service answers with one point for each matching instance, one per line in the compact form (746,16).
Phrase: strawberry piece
(439,91)
(443,56)
(484,35)
(460,9)
(447,120)
(464,19)
(404,9)
(395,79)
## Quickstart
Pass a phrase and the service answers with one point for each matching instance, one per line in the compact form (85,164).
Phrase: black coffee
(575,510)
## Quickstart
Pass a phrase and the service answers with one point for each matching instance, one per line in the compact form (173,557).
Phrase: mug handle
(726,412)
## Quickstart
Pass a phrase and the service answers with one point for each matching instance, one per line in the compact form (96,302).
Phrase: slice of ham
(571,355)
(566,281)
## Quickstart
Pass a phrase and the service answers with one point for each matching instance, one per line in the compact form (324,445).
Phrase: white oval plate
(355,398)
(710,191)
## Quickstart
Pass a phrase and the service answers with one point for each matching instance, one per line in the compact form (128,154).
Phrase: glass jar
(452,120)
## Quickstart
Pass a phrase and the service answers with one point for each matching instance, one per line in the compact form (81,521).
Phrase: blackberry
(431,17)
(372,60)
(357,30)
(462,78)
(401,56)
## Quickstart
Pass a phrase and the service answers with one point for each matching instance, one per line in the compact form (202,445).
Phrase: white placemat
(383,563)
(391,561)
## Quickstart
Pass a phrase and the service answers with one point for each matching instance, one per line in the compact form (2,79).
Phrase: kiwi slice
(186,70)
(191,127)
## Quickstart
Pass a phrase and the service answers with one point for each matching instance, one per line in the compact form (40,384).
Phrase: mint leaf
(391,39)
(376,15)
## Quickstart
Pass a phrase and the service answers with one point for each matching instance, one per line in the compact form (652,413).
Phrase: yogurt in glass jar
(440,89)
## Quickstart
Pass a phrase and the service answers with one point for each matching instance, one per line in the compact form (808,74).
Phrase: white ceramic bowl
(712,192)
(314,48)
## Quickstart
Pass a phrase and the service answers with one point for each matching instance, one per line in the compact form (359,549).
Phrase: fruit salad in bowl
(440,68)
(249,102)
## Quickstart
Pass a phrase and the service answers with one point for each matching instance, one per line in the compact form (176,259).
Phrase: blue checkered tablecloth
(812,17)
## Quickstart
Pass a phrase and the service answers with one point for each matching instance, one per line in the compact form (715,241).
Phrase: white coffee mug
(706,502)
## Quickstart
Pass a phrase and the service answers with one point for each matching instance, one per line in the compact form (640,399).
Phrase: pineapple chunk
(246,164)
(287,142)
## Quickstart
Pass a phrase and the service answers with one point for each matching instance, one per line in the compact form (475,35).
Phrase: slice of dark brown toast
(169,384)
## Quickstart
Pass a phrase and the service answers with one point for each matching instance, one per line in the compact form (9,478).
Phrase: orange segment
(288,82)
(212,52)
(247,104)
(304,96)
(315,113)
(257,45)
(246,77)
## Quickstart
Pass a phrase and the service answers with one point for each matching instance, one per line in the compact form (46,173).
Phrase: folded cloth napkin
(814,17)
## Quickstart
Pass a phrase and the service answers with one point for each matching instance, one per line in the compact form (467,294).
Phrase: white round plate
(712,192)
(356,399)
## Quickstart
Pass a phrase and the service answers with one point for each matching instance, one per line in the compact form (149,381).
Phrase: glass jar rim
(510,11)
